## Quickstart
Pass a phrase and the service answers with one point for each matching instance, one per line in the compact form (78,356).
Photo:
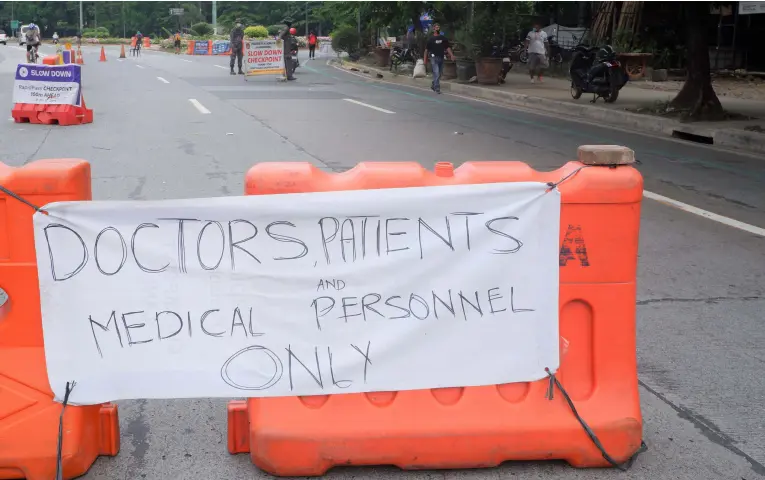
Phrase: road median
(712,133)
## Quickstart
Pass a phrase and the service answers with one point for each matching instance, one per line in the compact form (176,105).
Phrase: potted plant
(487,67)
(465,60)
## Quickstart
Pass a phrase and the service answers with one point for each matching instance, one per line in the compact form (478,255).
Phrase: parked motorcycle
(401,55)
(595,70)
(507,64)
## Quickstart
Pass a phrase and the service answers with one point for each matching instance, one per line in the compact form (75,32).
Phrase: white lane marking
(220,66)
(367,105)
(703,213)
(199,106)
(162,80)
(647,194)
(184,60)
(139,66)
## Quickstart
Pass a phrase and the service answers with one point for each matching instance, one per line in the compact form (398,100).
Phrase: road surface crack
(34,155)
(700,300)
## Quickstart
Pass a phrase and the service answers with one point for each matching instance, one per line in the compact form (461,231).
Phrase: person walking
(236,39)
(312,42)
(437,47)
(538,48)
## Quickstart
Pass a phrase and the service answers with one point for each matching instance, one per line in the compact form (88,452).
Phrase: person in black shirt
(236,40)
(438,46)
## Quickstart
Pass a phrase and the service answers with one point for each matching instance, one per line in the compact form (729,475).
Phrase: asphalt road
(701,331)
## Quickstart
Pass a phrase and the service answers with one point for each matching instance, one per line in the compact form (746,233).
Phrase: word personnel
(302,294)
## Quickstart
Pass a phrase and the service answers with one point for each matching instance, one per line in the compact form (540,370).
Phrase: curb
(737,139)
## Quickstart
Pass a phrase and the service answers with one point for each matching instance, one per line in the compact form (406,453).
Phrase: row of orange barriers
(437,428)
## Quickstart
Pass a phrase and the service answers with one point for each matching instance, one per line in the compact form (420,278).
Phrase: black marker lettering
(159,328)
(367,361)
(222,245)
(449,306)
(518,243)
(336,383)
(237,314)
(85,254)
(368,305)
(421,301)
(346,239)
(272,357)
(493,297)
(236,244)
(286,239)
(252,332)
(105,328)
(389,234)
(324,238)
(324,311)
(387,302)
(291,355)
(202,324)
(448,242)
(476,307)
(346,305)
(135,325)
(467,216)
(124,250)
(512,304)
(181,241)
(133,249)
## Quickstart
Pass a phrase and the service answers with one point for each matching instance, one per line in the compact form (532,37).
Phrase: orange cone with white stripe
(103,55)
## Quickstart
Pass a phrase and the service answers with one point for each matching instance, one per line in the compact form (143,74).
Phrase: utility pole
(215,17)
(124,31)
(306,19)
(81,24)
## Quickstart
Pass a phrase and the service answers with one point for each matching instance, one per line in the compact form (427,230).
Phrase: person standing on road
(237,46)
(538,48)
(438,46)
(312,41)
(177,42)
(287,40)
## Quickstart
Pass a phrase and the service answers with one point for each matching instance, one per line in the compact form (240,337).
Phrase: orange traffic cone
(122,51)
(103,55)
(79,60)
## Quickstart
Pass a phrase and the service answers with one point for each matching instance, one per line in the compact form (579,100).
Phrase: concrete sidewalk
(553,95)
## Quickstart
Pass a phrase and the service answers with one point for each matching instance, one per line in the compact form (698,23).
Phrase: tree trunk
(697,99)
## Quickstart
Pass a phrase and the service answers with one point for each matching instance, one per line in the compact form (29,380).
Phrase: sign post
(264,57)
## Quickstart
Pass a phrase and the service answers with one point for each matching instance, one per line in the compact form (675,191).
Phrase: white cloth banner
(300,294)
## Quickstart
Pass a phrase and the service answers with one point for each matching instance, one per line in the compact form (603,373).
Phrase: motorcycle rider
(32,39)
(237,46)
(55,38)
(287,40)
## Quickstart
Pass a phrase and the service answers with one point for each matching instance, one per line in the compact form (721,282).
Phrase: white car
(3,38)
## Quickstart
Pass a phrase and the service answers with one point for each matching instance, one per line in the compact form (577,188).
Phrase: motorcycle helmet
(32,26)
(293,31)
(605,51)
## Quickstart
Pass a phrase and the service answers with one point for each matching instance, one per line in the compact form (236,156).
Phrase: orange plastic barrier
(146,42)
(482,426)
(65,115)
(50,60)
(29,418)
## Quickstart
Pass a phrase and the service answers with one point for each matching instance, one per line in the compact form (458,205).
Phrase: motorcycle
(295,59)
(401,55)
(507,64)
(595,70)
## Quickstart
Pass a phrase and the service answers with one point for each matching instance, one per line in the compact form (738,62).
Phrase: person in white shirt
(537,46)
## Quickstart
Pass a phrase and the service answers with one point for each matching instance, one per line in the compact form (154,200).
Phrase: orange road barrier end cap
(605,155)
